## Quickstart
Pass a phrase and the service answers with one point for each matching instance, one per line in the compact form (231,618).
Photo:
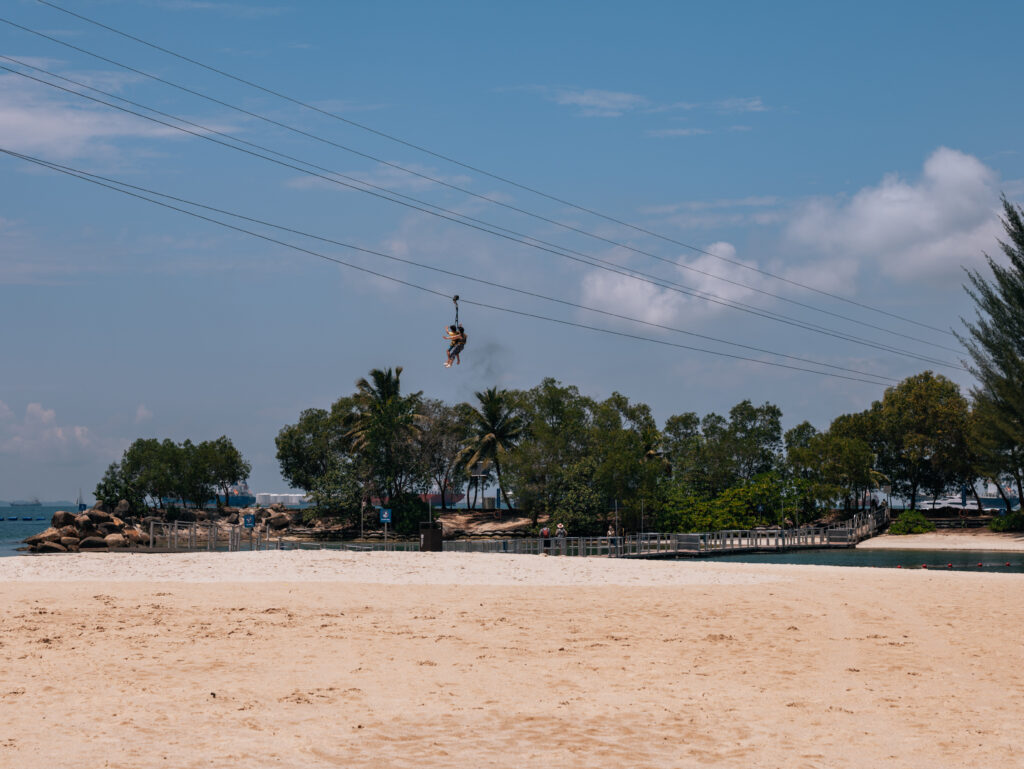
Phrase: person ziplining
(455,335)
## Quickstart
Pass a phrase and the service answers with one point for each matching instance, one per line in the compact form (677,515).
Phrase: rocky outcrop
(279,521)
(91,543)
(115,540)
(99,516)
(62,518)
(51,547)
(123,509)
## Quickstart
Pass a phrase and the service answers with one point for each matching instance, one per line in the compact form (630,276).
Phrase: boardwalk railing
(661,545)
(181,536)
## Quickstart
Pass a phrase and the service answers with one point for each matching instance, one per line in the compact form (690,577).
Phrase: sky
(828,166)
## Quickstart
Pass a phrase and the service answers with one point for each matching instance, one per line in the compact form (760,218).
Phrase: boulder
(50,547)
(233,518)
(83,521)
(123,509)
(50,535)
(69,531)
(115,540)
(279,521)
(109,528)
(62,518)
(98,516)
(92,542)
(70,542)
(119,522)
(101,507)
(136,537)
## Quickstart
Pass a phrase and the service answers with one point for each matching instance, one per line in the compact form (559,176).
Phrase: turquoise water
(13,532)
(961,560)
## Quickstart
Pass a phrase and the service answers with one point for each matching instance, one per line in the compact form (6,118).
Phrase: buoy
(1007,563)
(924,566)
(979,564)
(898,566)
(949,566)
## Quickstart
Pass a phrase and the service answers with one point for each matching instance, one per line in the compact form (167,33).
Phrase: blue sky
(859,150)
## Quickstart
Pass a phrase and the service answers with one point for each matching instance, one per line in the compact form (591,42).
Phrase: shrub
(1008,522)
(911,522)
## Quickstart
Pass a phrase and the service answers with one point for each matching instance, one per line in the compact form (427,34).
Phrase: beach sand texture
(949,539)
(333,660)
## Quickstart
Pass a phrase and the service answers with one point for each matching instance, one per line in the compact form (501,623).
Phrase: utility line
(425,289)
(116,184)
(489,174)
(463,190)
(591,261)
(433,179)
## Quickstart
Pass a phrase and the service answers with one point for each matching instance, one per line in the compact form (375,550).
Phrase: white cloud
(921,230)
(596,103)
(744,104)
(36,121)
(664,133)
(142,414)
(39,436)
(651,303)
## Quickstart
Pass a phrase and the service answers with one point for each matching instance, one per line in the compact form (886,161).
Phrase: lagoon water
(961,560)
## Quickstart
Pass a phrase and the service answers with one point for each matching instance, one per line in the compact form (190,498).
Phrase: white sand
(316,659)
(949,539)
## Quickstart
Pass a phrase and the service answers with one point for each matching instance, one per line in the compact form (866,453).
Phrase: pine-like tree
(995,343)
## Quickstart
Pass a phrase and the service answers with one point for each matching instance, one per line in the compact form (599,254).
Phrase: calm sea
(944,560)
(12,532)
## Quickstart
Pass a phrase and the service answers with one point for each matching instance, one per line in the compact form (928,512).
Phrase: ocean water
(13,532)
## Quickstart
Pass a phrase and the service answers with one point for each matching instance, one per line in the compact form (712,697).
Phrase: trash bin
(430,536)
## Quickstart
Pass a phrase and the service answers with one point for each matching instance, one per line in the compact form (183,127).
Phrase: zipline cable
(116,184)
(489,174)
(425,289)
(555,222)
(591,261)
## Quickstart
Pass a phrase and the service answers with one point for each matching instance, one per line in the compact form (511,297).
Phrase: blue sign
(81,507)
(385,515)
(249,520)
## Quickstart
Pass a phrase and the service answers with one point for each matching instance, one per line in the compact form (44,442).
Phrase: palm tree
(497,428)
(383,427)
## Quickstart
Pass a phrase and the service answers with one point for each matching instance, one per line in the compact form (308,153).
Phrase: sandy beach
(949,539)
(318,659)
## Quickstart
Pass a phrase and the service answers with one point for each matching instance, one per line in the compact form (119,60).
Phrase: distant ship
(34,502)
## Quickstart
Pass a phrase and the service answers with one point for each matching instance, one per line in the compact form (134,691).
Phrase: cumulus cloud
(912,230)
(665,306)
(39,436)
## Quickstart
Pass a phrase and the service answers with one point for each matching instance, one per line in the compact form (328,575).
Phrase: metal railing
(181,536)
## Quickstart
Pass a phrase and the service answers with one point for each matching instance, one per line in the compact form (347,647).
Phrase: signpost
(249,520)
(385,518)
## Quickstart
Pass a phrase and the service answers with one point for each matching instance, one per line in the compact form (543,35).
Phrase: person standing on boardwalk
(560,535)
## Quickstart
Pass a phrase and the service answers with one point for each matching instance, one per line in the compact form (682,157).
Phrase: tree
(755,435)
(383,429)
(227,466)
(445,430)
(196,480)
(306,450)
(495,429)
(922,427)
(995,344)
(556,434)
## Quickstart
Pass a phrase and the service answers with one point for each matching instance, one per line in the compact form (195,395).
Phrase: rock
(233,518)
(136,537)
(50,547)
(123,509)
(101,507)
(279,521)
(70,542)
(69,531)
(115,540)
(117,522)
(109,528)
(152,519)
(62,518)
(98,516)
(50,535)
(82,521)
(92,542)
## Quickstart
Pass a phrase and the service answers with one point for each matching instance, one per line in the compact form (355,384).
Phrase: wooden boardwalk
(843,534)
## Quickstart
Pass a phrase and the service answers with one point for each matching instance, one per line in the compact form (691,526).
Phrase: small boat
(12,518)
(26,518)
